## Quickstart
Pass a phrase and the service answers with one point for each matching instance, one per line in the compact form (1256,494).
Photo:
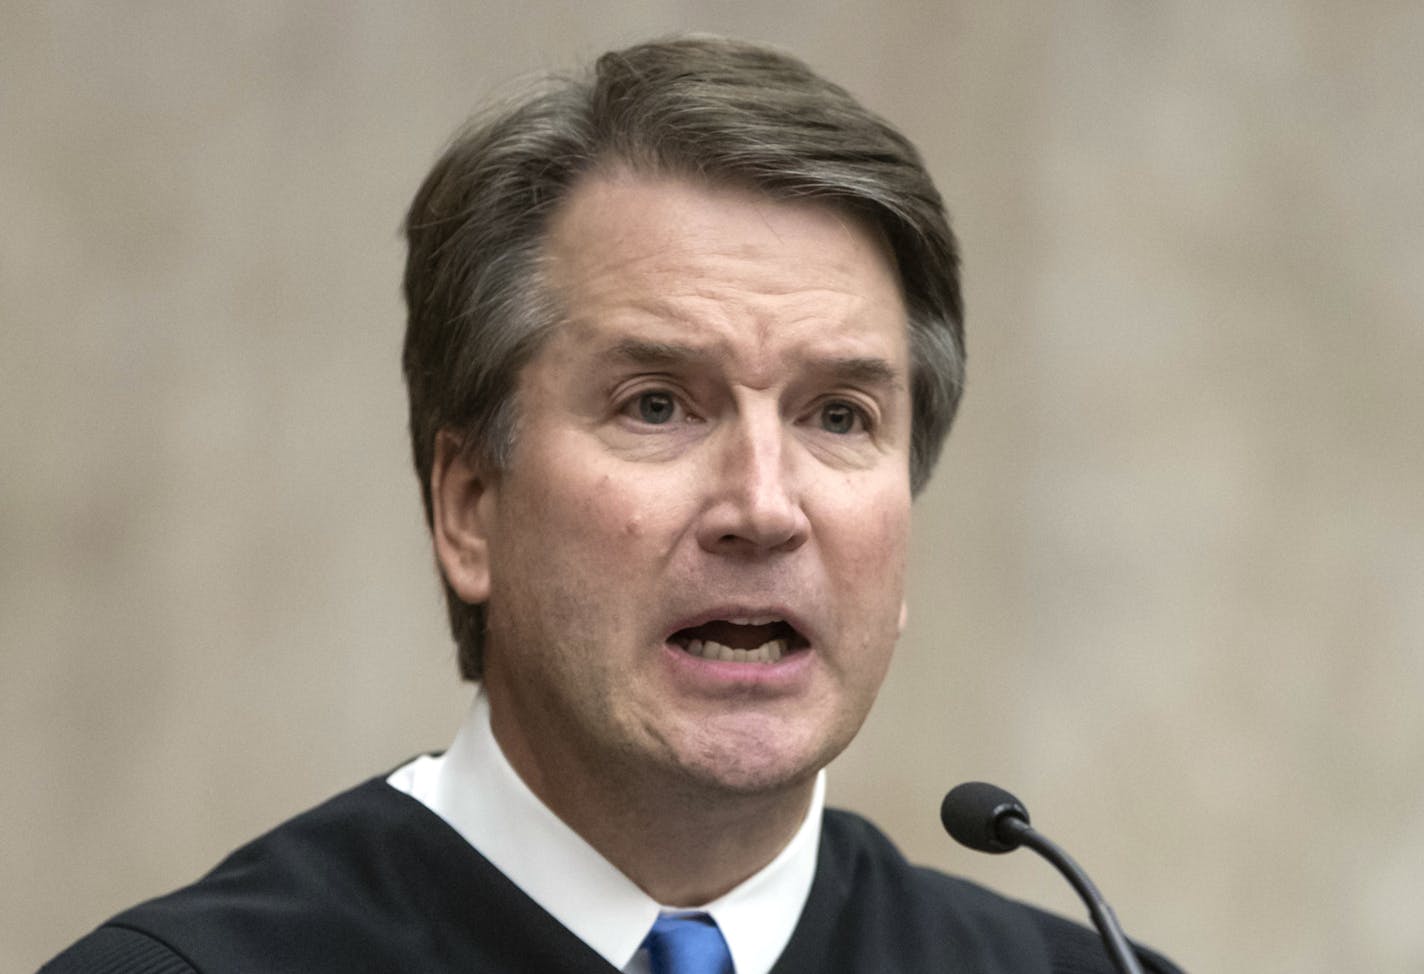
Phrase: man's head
(717,112)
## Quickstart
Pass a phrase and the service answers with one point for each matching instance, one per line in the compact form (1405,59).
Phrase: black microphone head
(971,813)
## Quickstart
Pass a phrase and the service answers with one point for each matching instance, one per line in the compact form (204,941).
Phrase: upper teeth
(767,652)
(754,620)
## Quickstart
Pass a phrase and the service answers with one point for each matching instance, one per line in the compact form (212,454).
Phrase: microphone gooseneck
(987,818)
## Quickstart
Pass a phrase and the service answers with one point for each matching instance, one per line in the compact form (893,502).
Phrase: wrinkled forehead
(665,263)
(636,201)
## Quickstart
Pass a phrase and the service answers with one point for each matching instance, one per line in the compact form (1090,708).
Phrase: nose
(754,499)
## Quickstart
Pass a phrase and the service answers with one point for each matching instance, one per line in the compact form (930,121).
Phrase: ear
(462,507)
(904,618)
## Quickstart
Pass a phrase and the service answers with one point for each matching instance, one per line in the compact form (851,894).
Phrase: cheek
(867,561)
(874,539)
(616,522)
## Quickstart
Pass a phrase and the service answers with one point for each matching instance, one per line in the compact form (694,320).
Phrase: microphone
(987,818)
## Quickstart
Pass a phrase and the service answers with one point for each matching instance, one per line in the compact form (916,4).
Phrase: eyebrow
(863,370)
(639,351)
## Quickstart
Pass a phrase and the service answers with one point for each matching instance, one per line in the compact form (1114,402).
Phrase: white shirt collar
(473,788)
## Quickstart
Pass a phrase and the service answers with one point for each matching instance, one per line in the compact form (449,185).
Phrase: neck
(683,842)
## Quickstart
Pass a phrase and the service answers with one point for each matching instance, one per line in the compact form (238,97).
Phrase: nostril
(753,518)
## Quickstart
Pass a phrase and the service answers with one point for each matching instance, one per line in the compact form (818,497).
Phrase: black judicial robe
(372,880)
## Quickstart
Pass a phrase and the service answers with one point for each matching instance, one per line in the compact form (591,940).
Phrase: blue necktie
(688,945)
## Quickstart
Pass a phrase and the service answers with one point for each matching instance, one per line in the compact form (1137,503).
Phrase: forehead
(684,261)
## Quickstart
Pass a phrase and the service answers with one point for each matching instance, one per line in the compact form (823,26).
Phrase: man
(684,339)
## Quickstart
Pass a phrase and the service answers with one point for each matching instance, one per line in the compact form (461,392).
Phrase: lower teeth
(768,652)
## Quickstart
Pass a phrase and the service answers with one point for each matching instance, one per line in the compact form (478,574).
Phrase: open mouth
(740,640)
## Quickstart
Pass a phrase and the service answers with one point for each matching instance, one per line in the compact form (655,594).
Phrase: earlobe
(462,499)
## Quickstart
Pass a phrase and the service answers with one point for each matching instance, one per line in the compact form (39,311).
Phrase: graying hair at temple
(700,107)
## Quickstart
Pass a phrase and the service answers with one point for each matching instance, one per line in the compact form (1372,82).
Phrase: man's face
(695,558)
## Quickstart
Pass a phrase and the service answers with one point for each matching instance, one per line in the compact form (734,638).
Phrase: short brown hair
(724,110)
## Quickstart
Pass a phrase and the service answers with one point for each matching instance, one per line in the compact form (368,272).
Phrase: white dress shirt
(473,788)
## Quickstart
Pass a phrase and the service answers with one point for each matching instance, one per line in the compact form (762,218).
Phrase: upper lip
(747,613)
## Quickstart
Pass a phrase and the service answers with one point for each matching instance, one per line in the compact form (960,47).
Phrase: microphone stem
(1121,952)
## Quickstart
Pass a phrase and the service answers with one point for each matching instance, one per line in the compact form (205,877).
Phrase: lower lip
(786,674)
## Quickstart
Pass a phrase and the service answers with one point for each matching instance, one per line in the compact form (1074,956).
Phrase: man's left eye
(655,408)
(840,417)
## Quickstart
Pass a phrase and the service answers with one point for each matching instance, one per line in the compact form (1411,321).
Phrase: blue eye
(656,408)
(839,417)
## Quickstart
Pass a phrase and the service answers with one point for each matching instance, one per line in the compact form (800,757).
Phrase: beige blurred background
(1169,579)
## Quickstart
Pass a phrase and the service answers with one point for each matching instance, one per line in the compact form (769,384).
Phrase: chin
(749,781)
(757,764)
